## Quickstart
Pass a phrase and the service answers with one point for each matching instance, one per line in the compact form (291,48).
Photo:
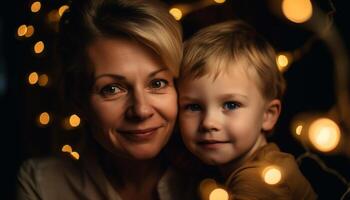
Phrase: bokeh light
(43,80)
(39,47)
(218,194)
(272,175)
(33,78)
(176,13)
(219,1)
(22,30)
(324,134)
(67,148)
(30,31)
(74,120)
(75,155)
(35,7)
(44,118)
(62,9)
(298,129)
(298,11)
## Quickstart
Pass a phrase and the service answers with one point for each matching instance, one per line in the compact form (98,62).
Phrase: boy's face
(222,120)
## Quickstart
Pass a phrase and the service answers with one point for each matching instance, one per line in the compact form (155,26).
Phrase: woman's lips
(139,134)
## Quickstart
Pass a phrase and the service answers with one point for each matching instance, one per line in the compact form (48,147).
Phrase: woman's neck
(134,178)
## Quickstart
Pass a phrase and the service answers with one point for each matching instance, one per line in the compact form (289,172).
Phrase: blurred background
(311,38)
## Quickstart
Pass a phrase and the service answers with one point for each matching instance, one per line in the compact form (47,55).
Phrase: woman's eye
(231,105)
(193,107)
(158,84)
(110,90)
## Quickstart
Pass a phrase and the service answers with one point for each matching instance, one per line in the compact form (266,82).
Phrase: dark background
(310,83)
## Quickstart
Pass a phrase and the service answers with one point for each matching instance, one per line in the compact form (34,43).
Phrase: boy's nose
(140,108)
(210,122)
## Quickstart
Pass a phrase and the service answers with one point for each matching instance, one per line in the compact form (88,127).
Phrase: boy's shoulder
(270,161)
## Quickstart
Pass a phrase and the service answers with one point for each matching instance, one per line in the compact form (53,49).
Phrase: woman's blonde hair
(214,49)
(146,22)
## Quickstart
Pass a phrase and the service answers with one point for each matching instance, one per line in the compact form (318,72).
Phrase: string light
(220,1)
(30,31)
(67,148)
(22,30)
(44,118)
(297,11)
(75,155)
(272,175)
(35,7)
(33,78)
(39,47)
(324,134)
(218,194)
(62,9)
(283,61)
(176,13)
(43,80)
(74,120)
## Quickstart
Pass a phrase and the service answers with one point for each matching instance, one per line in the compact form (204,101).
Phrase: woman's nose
(140,108)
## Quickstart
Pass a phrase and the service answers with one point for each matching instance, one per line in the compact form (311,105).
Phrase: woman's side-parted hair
(144,21)
(214,49)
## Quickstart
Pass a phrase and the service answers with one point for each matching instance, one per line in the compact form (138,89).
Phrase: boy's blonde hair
(214,49)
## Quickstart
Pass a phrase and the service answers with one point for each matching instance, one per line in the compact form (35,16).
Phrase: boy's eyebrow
(232,95)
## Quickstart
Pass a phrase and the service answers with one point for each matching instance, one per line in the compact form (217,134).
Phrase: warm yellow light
(43,80)
(39,47)
(67,148)
(74,120)
(220,1)
(299,129)
(22,30)
(176,13)
(75,155)
(62,9)
(35,6)
(33,78)
(30,31)
(272,175)
(218,194)
(324,134)
(44,118)
(297,11)
(282,61)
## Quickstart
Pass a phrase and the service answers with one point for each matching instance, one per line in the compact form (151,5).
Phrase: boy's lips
(212,144)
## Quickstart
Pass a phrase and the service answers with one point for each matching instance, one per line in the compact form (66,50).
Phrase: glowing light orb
(297,11)
(176,13)
(218,194)
(22,30)
(44,118)
(220,1)
(75,155)
(272,175)
(43,80)
(62,9)
(74,120)
(35,7)
(33,78)
(299,129)
(39,47)
(324,134)
(67,148)
(30,31)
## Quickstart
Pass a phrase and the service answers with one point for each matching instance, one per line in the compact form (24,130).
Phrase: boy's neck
(228,168)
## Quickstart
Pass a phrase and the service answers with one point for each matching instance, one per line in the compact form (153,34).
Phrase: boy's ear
(272,112)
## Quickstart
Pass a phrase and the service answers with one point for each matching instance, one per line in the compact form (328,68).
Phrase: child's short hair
(213,50)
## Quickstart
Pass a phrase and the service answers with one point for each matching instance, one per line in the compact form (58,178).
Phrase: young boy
(230,93)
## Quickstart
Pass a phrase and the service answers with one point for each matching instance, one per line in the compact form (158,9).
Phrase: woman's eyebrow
(152,74)
(114,76)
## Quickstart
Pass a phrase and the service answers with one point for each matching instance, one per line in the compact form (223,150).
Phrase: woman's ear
(271,114)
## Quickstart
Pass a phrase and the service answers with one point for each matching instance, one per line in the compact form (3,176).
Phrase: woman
(120,58)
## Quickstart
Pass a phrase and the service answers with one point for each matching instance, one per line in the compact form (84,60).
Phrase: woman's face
(133,99)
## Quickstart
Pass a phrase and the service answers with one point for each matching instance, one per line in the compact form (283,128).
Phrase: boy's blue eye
(193,107)
(231,105)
